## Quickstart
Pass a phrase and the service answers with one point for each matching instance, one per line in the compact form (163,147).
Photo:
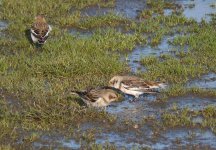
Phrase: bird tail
(152,91)
(162,85)
(80,93)
(156,88)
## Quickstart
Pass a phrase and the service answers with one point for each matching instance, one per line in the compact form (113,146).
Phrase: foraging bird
(100,97)
(40,30)
(134,85)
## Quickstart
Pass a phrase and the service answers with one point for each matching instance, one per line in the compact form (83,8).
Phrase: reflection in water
(134,110)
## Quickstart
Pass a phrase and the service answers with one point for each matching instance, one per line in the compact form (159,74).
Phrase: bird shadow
(77,100)
(28,36)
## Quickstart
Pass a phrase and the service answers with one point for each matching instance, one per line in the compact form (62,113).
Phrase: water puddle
(124,141)
(175,138)
(170,139)
(134,110)
(3,25)
(96,11)
(130,8)
(137,134)
(198,9)
(207,82)
(12,101)
(163,48)
(190,102)
(127,8)
(57,142)
(71,144)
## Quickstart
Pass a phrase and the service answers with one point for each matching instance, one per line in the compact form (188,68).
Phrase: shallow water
(196,9)
(142,135)
(206,81)
(191,102)
(130,8)
(188,137)
(136,110)
(170,139)
(146,106)
(57,142)
(200,10)
(163,48)
(3,25)
(127,8)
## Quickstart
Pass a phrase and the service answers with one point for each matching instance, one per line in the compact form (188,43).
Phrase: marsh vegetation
(36,110)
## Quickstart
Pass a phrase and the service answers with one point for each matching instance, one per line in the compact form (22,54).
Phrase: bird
(40,30)
(135,86)
(99,97)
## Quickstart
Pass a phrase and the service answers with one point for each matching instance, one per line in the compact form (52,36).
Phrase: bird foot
(134,100)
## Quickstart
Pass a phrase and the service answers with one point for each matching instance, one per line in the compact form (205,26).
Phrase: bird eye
(112,97)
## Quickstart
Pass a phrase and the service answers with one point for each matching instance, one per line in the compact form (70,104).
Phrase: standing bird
(40,30)
(99,97)
(134,85)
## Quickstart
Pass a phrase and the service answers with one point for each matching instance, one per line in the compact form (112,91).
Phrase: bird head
(115,82)
(40,18)
(113,97)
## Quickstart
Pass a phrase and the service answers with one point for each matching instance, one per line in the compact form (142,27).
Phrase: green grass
(178,119)
(184,118)
(110,19)
(199,60)
(157,7)
(113,40)
(39,78)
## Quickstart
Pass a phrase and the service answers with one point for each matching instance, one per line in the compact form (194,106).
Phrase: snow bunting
(100,97)
(134,85)
(40,30)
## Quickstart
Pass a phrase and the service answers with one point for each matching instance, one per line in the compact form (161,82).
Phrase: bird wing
(93,95)
(40,29)
(136,83)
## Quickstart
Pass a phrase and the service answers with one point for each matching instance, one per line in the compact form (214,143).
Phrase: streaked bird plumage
(100,97)
(135,86)
(40,30)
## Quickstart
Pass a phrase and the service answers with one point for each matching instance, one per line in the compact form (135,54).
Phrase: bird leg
(135,99)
